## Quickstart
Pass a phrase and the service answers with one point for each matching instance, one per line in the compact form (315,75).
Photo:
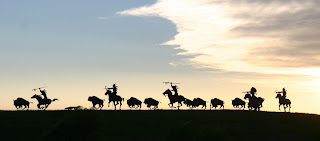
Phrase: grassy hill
(157,125)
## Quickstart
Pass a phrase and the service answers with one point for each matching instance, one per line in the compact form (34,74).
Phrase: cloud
(244,36)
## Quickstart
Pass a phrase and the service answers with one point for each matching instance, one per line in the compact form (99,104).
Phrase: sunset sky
(214,48)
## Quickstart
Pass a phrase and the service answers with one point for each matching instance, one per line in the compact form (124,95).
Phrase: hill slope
(157,125)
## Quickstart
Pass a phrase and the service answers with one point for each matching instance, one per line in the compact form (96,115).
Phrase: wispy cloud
(103,18)
(244,36)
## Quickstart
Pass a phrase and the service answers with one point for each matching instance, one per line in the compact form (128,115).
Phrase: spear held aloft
(39,88)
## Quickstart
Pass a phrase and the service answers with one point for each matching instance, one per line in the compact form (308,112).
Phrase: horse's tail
(122,99)
(55,99)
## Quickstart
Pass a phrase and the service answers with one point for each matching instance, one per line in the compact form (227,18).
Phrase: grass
(157,125)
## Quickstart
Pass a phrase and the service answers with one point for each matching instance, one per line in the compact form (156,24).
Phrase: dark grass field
(157,125)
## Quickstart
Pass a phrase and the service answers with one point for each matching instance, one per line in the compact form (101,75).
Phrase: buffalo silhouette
(238,103)
(19,102)
(151,102)
(133,102)
(215,102)
(96,101)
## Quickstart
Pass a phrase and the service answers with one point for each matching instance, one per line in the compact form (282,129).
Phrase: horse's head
(35,96)
(278,96)
(108,92)
(247,96)
(168,92)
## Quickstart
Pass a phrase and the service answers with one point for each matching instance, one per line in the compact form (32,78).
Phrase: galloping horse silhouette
(43,103)
(173,98)
(255,103)
(115,99)
(284,102)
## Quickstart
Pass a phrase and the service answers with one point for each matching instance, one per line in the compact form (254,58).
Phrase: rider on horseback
(44,93)
(175,89)
(253,91)
(114,89)
(284,92)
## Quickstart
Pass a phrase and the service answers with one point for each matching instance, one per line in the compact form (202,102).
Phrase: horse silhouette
(174,98)
(284,102)
(19,102)
(133,102)
(255,103)
(116,99)
(197,102)
(238,103)
(215,102)
(43,103)
(151,102)
(96,101)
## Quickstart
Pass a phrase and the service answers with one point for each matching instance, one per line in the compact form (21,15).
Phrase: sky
(213,48)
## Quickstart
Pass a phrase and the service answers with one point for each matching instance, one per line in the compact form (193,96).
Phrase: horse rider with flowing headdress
(44,93)
(175,89)
(114,89)
(253,91)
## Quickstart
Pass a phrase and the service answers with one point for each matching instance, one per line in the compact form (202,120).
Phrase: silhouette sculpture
(215,102)
(197,102)
(96,101)
(151,102)
(43,103)
(74,108)
(238,103)
(116,99)
(284,102)
(174,98)
(133,102)
(255,103)
(188,103)
(19,102)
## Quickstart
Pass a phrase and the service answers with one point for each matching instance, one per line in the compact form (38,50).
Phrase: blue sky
(213,48)
(42,36)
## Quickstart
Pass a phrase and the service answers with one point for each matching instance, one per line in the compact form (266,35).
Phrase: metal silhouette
(255,103)
(283,100)
(216,102)
(113,97)
(43,103)
(96,101)
(21,103)
(199,102)
(134,103)
(238,103)
(151,103)
(188,103)
(74,108)
(174,98)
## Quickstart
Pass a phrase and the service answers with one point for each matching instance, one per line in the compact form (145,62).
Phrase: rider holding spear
(284,92)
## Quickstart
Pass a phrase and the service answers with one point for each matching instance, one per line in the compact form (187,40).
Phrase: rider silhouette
(44,93)
(284,92)
(175,89)
(114,89)
(253,91)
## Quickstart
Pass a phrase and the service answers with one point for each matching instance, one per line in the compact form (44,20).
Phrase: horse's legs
(279,106)
(109,103)
(115,108)
(120,105)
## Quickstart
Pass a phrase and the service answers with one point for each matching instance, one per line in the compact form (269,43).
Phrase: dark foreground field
(157,125)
